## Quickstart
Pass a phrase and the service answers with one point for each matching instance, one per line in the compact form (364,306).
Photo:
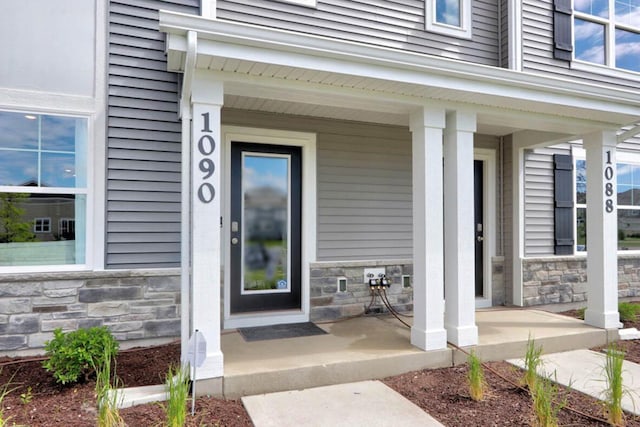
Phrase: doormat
(274,332)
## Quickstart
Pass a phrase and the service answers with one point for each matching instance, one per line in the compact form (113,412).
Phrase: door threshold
(265,318)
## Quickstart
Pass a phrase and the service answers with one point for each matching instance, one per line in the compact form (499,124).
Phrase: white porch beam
(207,100)
(428,331)
(602,231)
(459,248)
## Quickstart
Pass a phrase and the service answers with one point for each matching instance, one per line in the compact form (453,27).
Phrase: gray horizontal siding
(394,24)
(143,148)
(539,200)
(504,32)
(364,208)
(537,40)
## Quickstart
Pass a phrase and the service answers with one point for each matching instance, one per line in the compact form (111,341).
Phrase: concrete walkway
(583,370)
(365,403)
(367,348)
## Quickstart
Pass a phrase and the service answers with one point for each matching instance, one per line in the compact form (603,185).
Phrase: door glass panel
(266,223)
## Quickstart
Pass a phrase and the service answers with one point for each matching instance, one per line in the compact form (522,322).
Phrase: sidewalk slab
(369,403)
(583,370)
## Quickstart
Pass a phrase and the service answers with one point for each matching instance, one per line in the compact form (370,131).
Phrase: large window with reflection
(43,189)
(607,32)
(628,199)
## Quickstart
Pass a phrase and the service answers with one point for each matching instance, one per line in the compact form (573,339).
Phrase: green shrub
(628,311)
(78,353)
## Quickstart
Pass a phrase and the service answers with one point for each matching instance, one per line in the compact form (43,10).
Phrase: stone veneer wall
(564,279)
(138,304)
(327,303)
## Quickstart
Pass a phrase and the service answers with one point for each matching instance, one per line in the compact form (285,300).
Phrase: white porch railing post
(428,331)
(602,231)
(206,195)
(459,245)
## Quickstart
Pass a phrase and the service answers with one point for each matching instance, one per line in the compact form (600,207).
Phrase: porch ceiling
(271,70)
(341,113)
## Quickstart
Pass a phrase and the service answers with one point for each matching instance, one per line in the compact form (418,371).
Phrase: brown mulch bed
(51,404)
(443,393)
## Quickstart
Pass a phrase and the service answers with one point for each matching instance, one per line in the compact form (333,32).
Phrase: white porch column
(602,231)
(207,100)
(428,331)
(459,247)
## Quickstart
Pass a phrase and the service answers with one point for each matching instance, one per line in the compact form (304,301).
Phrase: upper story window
(451,17)
(607,32)
(43,189)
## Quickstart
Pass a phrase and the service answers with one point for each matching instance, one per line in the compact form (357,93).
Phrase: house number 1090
(206,147)
(608,186)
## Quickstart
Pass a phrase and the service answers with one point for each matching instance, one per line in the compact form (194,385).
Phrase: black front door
(266,186)
(478,173)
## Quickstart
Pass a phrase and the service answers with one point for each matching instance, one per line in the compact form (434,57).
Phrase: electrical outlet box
(373,273)
(406,281)
(342,284)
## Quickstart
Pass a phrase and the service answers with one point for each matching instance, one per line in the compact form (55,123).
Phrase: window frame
(624,157)
(463,31)
(610,26)
(64,224)
(42,221)
(86,191)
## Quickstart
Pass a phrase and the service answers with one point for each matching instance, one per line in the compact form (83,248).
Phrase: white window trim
(463,32)
(88,191)
(621,157)
(618,73)
(307,3)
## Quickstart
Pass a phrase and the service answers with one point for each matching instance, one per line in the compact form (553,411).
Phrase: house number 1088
(608,186)
(206,147)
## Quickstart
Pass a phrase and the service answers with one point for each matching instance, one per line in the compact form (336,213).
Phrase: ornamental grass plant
(475,376)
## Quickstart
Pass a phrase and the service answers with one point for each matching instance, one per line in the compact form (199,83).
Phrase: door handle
(234,241)
(479,238)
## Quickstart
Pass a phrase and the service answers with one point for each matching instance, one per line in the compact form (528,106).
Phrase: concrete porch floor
(366,348)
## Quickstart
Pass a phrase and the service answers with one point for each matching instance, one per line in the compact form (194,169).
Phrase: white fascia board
(254,43)
(422,77)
